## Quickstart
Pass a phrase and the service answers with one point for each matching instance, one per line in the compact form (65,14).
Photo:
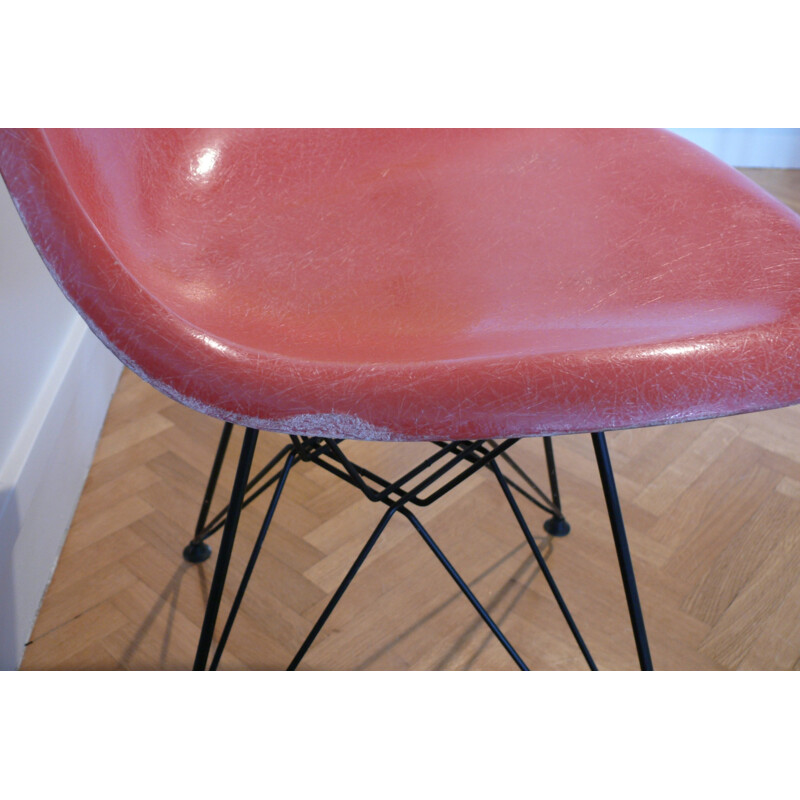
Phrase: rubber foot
(196,553)
(557,527)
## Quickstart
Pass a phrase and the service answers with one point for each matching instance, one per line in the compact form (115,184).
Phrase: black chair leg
(226,547)
(197,550)
(556,525)
(623,551)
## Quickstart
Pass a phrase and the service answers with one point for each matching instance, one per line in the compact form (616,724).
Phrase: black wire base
(451,464)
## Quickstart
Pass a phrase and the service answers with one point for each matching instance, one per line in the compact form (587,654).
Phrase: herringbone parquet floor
(712,508)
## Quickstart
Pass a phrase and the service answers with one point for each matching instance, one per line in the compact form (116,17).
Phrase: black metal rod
(219,519)
(226,547)
(537,554)
(528,496)
(464,588)
(411,495)
(551,471)
(471,470)
(623,551)
(356,472)
(342,587)
(252,562)
(547,505)
(212,481)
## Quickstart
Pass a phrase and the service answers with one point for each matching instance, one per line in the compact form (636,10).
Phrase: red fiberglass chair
(454,286)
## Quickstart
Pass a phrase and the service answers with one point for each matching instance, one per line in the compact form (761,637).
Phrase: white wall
(56,381)
(749,147)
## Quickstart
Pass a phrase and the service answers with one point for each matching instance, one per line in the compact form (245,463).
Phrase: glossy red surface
(422,284)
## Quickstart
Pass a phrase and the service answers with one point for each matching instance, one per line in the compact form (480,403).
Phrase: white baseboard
(42,479)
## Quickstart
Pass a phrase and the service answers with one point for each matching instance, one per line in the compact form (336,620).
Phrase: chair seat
(422,284)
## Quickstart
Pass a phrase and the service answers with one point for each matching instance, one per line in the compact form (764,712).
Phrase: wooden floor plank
(56,647)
